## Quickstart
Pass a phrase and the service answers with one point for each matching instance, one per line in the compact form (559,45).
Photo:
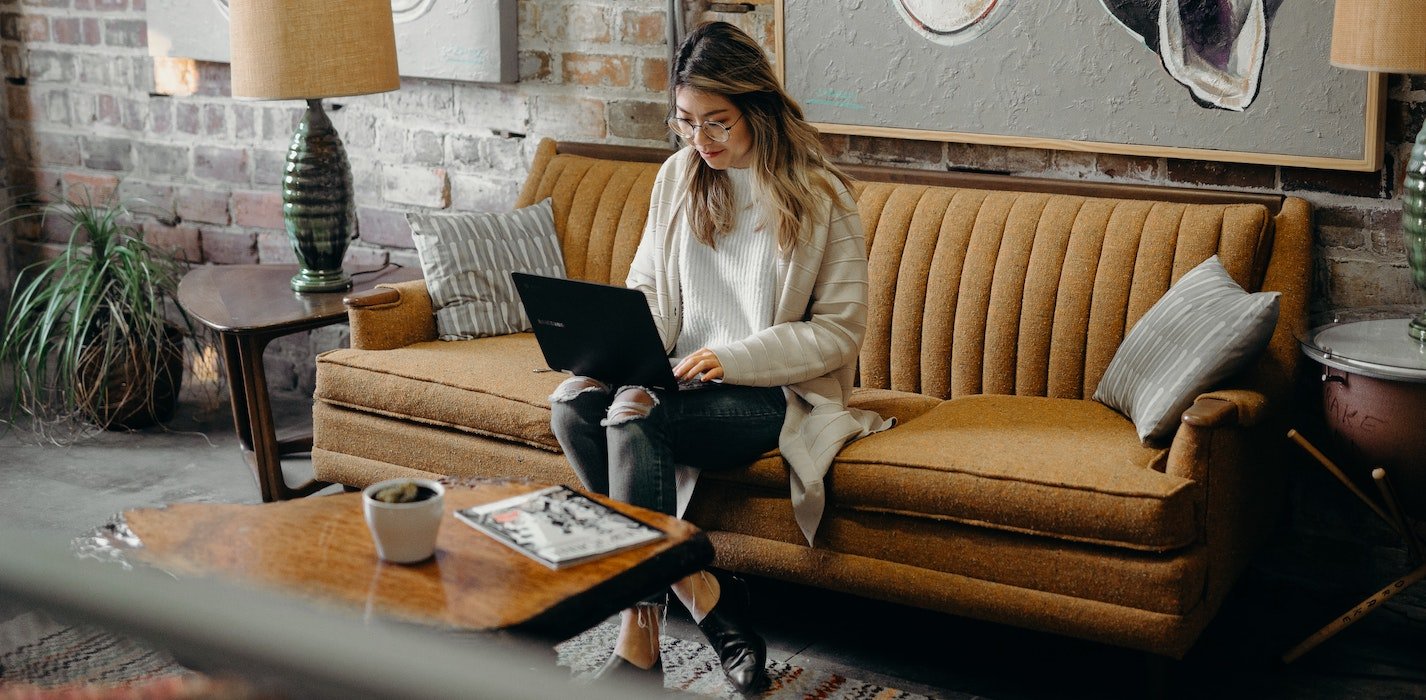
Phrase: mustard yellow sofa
(997,302)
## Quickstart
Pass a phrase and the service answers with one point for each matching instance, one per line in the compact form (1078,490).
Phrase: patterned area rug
(42,658)
(39,651)
(693,668)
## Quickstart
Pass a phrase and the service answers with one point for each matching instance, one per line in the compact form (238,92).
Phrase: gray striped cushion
(467,260)
(1203,330)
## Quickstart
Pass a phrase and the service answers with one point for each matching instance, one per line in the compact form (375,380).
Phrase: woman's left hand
(700,364)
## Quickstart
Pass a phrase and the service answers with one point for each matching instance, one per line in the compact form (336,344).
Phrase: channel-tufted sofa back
(979,291)
(982,292)
(600,207)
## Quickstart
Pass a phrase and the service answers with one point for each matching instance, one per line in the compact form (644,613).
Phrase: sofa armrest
(1214,409)
(1211,413)
(1226,417)
(381,296)
(391,316)
(1234,473)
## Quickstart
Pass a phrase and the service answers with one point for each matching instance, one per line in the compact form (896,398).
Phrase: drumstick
(1357,613)
(1337,472)
(1388,494)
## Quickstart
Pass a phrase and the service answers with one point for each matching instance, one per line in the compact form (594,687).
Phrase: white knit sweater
(728,289)
(819,321)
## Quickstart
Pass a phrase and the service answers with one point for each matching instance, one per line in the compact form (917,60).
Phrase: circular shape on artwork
(952,22)
(410,10)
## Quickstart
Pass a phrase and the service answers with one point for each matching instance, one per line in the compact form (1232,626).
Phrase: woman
(754,265)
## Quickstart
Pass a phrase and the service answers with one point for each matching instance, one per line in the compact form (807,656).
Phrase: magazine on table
(558,526)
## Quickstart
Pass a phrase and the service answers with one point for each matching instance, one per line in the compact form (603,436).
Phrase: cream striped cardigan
(811,347)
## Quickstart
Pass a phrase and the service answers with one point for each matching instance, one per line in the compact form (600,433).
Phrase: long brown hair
(789,162)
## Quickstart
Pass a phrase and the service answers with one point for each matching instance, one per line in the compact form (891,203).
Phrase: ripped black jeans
(624,443)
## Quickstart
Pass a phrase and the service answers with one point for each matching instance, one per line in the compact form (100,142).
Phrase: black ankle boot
(742,652)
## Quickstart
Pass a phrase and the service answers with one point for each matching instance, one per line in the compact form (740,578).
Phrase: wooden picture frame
(1357,135)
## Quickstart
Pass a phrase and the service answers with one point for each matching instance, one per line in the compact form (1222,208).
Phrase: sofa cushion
(467,260)
(770,472)
(1065,468)
(968,460)
(489,386)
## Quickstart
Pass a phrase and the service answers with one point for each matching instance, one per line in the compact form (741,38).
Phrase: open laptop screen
(595,330)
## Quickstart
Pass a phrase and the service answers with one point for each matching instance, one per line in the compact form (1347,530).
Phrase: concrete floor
(68,491)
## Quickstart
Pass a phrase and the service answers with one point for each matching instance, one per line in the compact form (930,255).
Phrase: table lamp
(1389,36)
(308,50)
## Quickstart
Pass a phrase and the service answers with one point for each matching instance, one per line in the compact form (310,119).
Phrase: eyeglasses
(716,131)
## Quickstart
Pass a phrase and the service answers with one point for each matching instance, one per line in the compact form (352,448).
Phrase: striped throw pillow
(1203,330)
(467,260)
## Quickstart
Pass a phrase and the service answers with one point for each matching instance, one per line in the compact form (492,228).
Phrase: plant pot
(138,391)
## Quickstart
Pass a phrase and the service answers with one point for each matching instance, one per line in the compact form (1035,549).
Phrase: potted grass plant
(93,337)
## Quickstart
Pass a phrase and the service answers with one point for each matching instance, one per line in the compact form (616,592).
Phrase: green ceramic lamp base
(321,281)
(1413,225)
(317,203)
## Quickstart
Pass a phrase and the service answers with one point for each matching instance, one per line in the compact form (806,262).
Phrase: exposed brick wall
(7,272)
(82,113)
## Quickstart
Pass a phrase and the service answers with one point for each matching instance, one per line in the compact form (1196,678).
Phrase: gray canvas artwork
(1232,75)
(466,40)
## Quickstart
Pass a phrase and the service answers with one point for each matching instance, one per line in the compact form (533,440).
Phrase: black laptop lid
(595,330)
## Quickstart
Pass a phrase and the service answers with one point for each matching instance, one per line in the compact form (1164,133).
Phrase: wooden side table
(249,306)
(1374,396)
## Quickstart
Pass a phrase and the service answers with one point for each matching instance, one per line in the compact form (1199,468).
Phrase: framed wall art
(466,40)
(1244,81)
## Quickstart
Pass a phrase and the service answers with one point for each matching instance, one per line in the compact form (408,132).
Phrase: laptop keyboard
(694,384)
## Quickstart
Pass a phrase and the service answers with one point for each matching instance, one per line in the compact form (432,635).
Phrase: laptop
(598,330)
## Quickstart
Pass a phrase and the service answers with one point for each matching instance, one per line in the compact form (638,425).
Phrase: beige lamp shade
(310,49)
(1387,36)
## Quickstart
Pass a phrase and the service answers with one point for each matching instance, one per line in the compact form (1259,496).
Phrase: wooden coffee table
(319,548)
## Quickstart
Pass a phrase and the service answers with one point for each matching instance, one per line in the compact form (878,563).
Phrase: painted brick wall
(7,271)
(82,109)
(83,113)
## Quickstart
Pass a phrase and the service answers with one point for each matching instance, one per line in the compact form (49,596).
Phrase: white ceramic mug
(404,533)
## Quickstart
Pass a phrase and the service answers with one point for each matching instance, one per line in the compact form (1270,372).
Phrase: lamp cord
(387,266)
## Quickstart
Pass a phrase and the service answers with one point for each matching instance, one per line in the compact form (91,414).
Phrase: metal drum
(1374,397)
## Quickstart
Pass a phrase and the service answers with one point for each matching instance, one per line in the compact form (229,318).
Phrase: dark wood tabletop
(249,306)
(257,298)
(319,548)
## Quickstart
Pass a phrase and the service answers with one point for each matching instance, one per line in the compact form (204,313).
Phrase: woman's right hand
(700,364)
